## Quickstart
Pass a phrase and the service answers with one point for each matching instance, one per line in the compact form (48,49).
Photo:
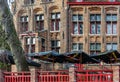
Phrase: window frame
(111,45)
(39,22)
(55,22)
(56,45)
(32,41)
(77,47)
(112,22)
(95,49)
(24,23)
(78,20)
(97,22)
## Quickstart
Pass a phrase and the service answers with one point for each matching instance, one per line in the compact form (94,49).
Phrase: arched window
(24,23)
(39,22)
(55,21)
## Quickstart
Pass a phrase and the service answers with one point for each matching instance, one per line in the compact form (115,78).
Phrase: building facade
(92,26)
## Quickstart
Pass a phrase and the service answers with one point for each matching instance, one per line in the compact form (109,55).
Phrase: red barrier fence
(53,76)
(17,77)
(94,76)
(77,74)
(79,66)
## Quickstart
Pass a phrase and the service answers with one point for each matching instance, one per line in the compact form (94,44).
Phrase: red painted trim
(93,3)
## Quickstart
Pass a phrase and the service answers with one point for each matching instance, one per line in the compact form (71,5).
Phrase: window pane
(81,28)
(53,26)
(80,46)
(108,46)
(109,29)
(58,43)
(28,41)
(108,17)
(33,40)
(74,17)
(114,46)
(58,25)
(114,29)
(53,16)
(58,15)
(98,28)
(93,31)
(92,46)
(80,17)
(22,19)
(98,46)
(42,17)
(26,18)
(114,17)
(43,42)
(92,17)
(57,28)
(98,18)
(75,28)
(74,46)
(37,18)
(52,43)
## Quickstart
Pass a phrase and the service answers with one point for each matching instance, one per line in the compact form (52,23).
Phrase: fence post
(1,76)
(116,73)
(72,75)
(33,71)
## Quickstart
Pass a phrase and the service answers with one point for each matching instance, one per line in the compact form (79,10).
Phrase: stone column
(33,71)
(86,24)
(13,68)
(72,77)
(103,30)
(118,25)
(116,74)
(1,76)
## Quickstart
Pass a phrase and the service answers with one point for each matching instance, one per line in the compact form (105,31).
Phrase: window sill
(54,31)
(76,50)
(77,34)
(111,34)
(94,34)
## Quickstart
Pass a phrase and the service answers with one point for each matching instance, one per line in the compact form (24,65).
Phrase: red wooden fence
(17,77)
(79,66)
(81,75)
(94,76)
(53,76)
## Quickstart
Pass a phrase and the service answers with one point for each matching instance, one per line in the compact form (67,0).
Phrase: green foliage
(3,43)
(4,66)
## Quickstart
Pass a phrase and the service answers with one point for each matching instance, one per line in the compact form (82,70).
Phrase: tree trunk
(11,37)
